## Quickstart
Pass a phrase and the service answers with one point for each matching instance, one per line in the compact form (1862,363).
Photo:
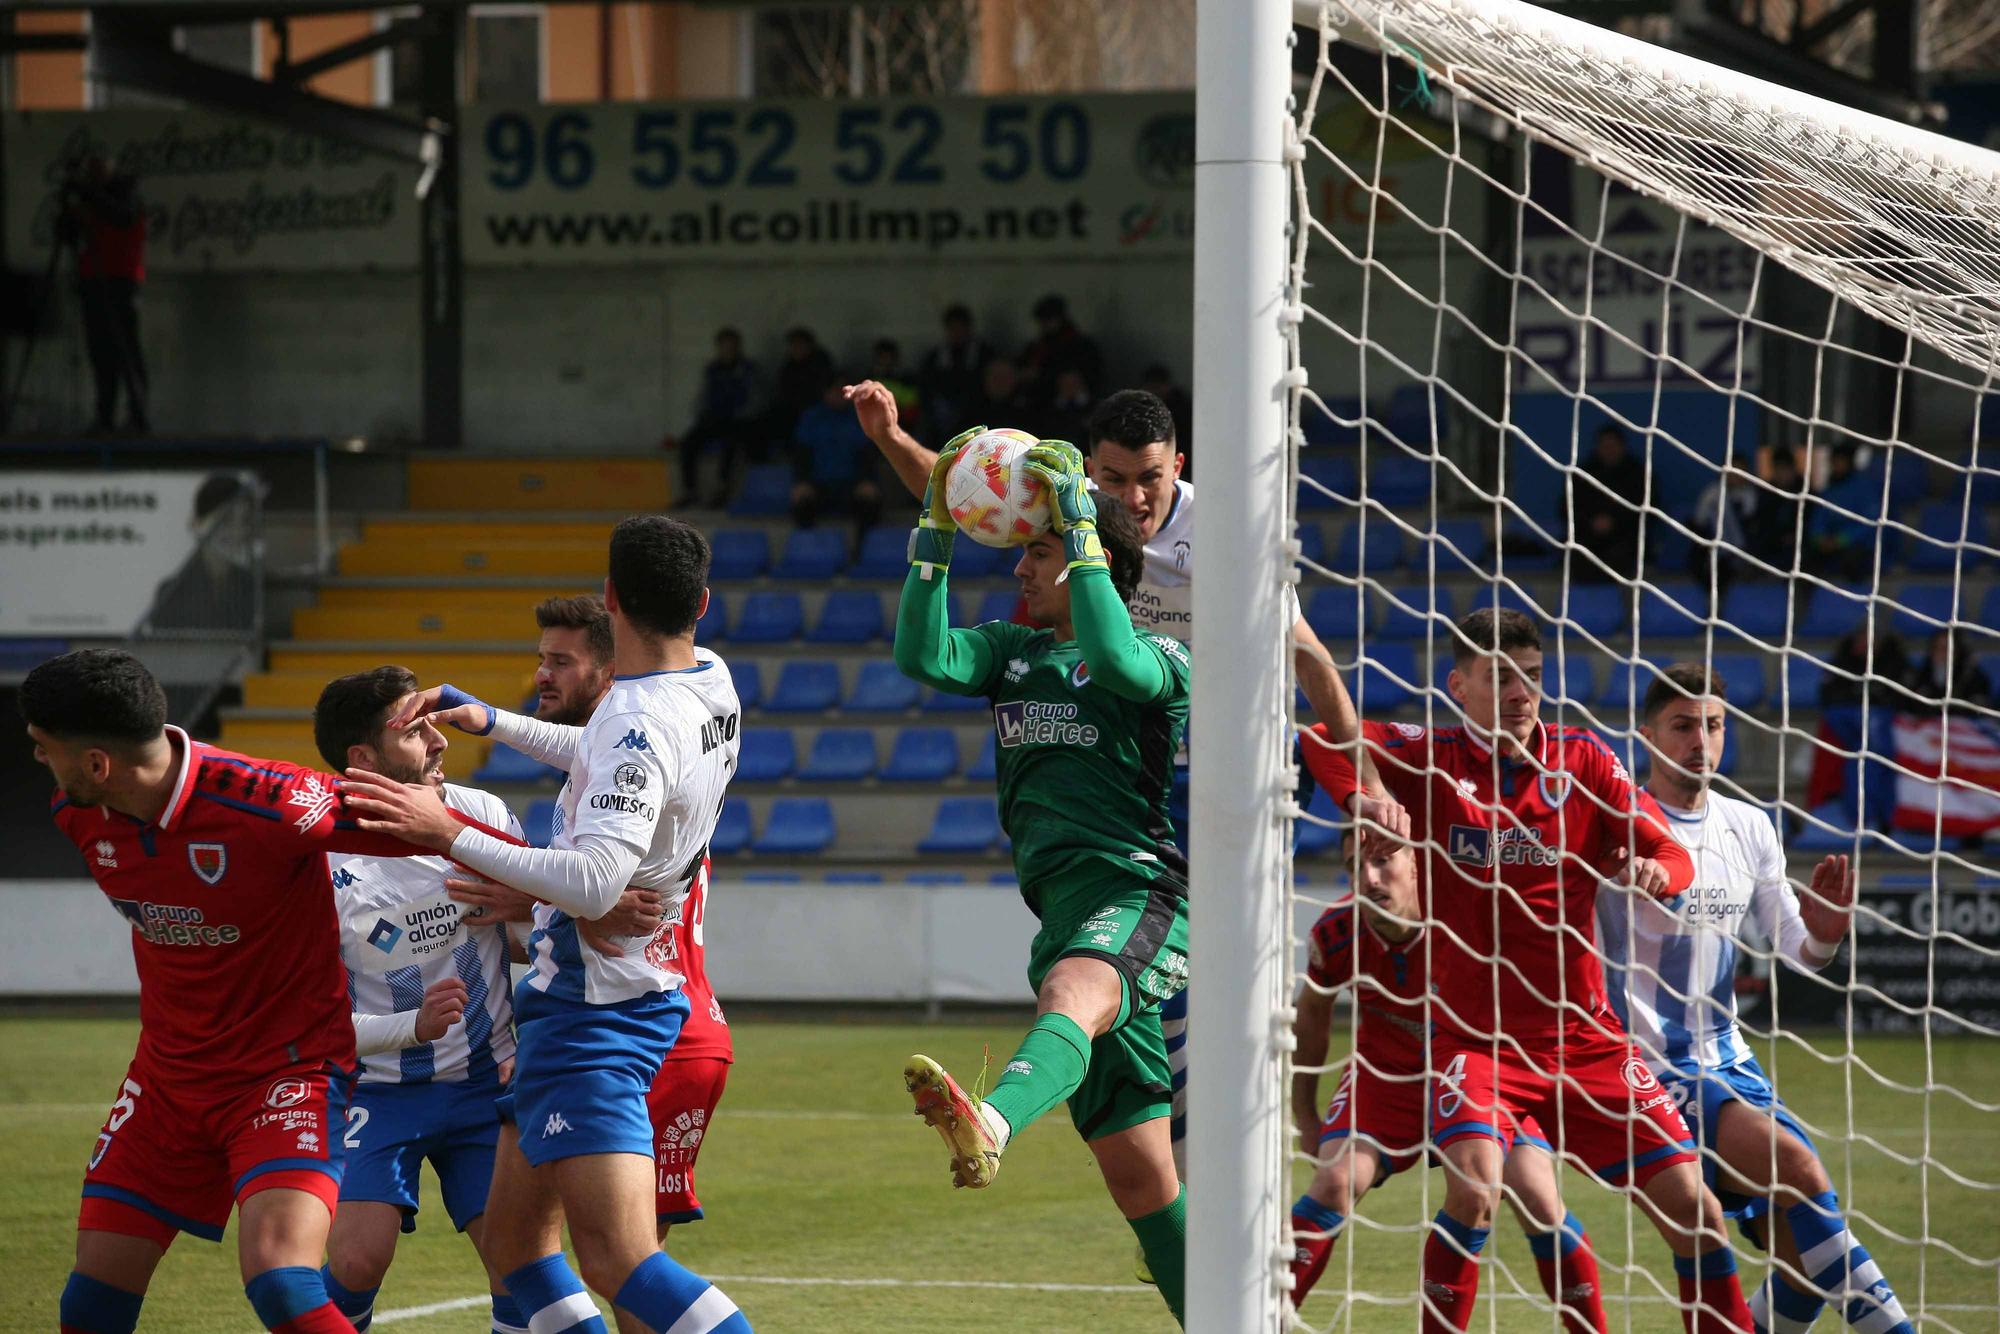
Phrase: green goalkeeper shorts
(1139,926)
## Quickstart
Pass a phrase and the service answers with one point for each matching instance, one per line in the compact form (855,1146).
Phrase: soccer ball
(992,496)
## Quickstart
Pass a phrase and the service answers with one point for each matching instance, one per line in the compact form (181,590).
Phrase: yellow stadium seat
(514,600)
(474,554)
(627,485)
(408,623)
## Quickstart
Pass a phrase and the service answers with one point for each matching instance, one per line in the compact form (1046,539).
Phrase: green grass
(816,1169)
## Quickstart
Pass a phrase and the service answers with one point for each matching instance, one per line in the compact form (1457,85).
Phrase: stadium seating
(1460,546)
(1333,473)
(884,554)
(963,825)
(1599,610)
(768,618)
(1424,605)
(1312,542)
(922,755)
(1336,616)
(766,490)
(1337,423)
(739,553)
(538,822)
(840,755)
(1743,673)
(939,701)
(805,686)
(1758,610)
(812,553)
(504,764)
(1397,480)
(976,560)
(1379,691)
(1311,838)
(880,688)
(1942,525)
(1679,609)
(1924,609)
(749,679)
(1407,416)
(714,622)
(848,616)
(1803,678)
(984,768)
(768,754)
(732,828)
(997,605)
(1833,613)
(796,827)
(1384,546)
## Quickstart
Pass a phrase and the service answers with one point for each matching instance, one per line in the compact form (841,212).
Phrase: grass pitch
(830,1209)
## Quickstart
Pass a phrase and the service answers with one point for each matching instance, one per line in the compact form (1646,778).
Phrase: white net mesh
(1517,236)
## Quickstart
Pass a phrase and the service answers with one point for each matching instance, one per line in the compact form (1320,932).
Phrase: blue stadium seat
(1744,673)
(1335,473)
(1597,609)
(1924,609)
(1679,610)
(1989,611)
(984,769)
(963,825)
(749,679)
(849,616)
(884,554)
(769,618)
(797,827)
(768,754)
(1940,522)
(853,877)
(812,553)
(1803,678)
(1522,548)
(768,877)
(1309,837)
(1337,423)
(922,755)
(714,622)
(1814,837)
(940,702)
(881,688)
(1007,878)
(766,490)
(934,878)
(805,687)
(1572,676)
(1833,613)
(1460,545)
(1622,687)
(840,755)
(1416,623)
(1397,480)
(504,764)
(738,553)
(997,605)
(538,824)
(1385,547)
(732,827)
(1312,542)
(1756,610)
(1336,615)
(1378,691)
(1407,415)
(976,560)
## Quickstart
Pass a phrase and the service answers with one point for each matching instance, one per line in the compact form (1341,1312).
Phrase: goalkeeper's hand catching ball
(1072,509)
(931,542)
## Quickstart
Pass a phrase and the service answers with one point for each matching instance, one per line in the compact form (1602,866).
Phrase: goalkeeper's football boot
(975,1154)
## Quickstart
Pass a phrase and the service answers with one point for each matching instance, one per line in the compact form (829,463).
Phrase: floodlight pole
(1242,680)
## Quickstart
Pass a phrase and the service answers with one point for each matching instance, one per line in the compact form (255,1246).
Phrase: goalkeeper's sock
(1045,1069)
(357,1306)
(553,1299)
(507,1317)
(1569,1275)
(1163,1237)
(1310,1252)
(291,1299)
(1779,1308)
(669,1297)
(1711,1298)
(92,1306)
(1839,1265)
(1451,1274)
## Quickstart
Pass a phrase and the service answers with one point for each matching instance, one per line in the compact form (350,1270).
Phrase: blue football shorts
(581,1073)
(393,1128)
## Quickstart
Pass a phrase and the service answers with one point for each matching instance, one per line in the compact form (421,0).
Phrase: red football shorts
(1612,1115)
(1387,1113)
(171,1158)
(681,1106)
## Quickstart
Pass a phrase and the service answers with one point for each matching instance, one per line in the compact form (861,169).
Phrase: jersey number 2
(357,1117)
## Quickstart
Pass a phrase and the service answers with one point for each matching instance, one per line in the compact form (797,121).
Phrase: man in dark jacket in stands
(103,217)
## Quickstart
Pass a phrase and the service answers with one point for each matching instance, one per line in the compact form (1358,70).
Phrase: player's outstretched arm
(1341,724)
(875,408)
(927,649)
(448,706)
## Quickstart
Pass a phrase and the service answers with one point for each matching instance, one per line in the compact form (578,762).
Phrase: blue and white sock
(358,1307)
(668,1297)
(507,1317)
(1838,1264)
(551,1296)
(1779,1308)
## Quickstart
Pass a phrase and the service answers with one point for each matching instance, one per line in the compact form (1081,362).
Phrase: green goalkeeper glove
(1072,510)
(931,540)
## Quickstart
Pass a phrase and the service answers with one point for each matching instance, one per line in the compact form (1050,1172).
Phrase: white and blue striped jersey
(400,932)
(649,771)
(1670,967)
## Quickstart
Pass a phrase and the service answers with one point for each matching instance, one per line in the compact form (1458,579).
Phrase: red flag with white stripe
(1967,803)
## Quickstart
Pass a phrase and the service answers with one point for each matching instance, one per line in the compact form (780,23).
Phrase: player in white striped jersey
(1671,969)
(647,776)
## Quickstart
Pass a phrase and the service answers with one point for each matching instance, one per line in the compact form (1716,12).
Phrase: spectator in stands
(102,216)
(887,370)
(1888,671)
(948,380)
(1950,673)
(1840,535)
(1058,346)
(217,588)
(1774,527)
(1606,493)
(1716,551)
(1068,410)
(1002,401)
(1158,381)
(728,414)
(834,465)
(800,383)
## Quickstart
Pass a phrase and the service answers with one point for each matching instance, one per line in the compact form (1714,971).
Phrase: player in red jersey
(1375,1125)
(1522,823)
(246,1047)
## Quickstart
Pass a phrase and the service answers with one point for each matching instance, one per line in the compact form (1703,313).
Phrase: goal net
(1690,368)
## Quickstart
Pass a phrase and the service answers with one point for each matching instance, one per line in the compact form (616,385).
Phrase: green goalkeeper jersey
(1085,765)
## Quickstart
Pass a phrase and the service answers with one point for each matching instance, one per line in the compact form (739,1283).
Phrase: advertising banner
(87,554)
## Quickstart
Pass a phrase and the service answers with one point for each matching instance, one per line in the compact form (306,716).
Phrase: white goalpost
(1435,262)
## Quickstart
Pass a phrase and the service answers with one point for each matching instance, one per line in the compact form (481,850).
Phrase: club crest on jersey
(632,740)
(1181,550)
(1555,787)
(208,861)
(1079,675)
(288,1093)
(629,778)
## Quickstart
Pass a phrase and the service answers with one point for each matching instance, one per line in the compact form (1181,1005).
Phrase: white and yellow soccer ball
(992,495)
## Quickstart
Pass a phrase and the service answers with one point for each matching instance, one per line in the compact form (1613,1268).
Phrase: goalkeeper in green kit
(1089,715)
